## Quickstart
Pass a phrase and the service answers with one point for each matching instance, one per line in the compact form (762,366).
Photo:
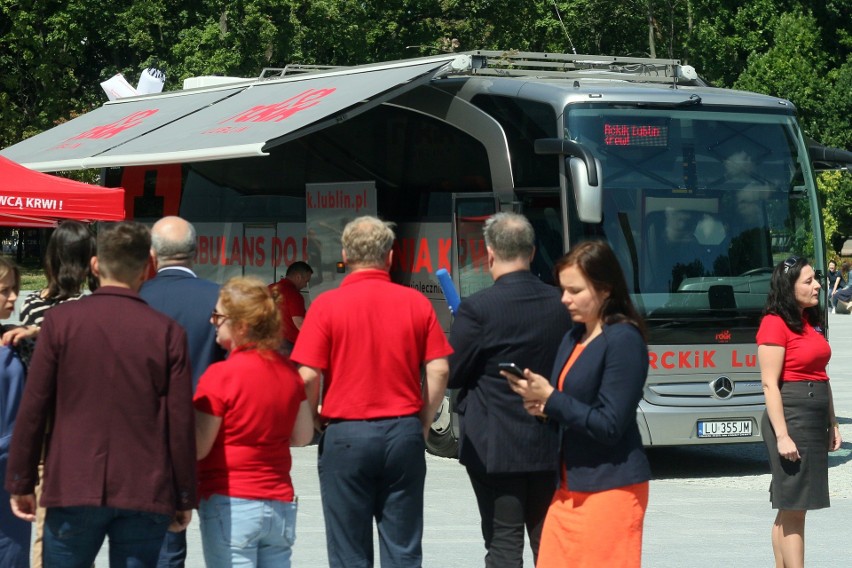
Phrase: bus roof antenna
(564,29)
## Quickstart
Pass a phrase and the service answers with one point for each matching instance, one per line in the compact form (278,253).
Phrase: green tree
(56,53)
(793,68)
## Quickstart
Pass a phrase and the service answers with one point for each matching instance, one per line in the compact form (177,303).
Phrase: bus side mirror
(589,197)
(585,172)
(824,158)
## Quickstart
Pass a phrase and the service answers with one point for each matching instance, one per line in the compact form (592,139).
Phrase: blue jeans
(74,535)
(246,532)
(373,469)
(173,551)
(15,534)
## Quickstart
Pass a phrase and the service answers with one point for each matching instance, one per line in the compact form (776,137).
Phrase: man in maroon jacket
(113,376)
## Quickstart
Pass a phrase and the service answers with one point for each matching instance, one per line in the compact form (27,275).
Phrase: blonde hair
(6,267)
(367,240)
(246,299)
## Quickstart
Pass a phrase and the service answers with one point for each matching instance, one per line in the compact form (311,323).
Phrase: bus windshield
(699,205)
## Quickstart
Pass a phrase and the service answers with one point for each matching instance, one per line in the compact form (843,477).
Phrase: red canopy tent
(33,199)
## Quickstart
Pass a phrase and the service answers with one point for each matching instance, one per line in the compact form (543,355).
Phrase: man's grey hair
(367,240)
(172,248)
(510,236)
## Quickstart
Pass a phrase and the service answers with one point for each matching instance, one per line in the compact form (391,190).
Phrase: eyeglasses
(790,263)
(217,319)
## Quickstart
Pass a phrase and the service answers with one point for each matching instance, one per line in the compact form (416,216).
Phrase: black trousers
(508,504)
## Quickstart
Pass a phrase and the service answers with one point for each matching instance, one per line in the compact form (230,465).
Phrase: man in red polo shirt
(368,339)
(291,303)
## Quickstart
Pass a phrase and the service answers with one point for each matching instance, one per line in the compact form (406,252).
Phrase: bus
(700,191)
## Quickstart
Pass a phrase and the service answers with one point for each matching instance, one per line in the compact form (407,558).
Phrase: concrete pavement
(709,506)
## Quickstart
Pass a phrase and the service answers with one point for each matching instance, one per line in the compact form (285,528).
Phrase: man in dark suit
(511,457)
(112,375)
(178,293)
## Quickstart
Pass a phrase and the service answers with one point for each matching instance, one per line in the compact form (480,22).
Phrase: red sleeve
(209,394)
(313,348)
(295,305)
(772,331)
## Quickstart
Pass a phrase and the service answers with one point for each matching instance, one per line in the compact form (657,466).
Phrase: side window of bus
(524,122)
(542,209)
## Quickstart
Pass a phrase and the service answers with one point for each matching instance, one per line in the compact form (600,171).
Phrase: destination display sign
(635,134)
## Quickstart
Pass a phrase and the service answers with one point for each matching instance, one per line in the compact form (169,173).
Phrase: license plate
(724,428)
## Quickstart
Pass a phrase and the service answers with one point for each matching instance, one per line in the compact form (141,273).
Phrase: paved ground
(709,506)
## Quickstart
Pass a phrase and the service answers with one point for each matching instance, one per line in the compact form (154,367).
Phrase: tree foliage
(55,53)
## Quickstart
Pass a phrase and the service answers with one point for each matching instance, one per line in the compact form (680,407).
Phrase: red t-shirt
(257,394)
(291,303)
(370,337)
(806,356)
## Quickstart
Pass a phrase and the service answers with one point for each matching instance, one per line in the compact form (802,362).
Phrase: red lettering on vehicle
(236,256)
(444,248)
(222,245)
(723,336)
(259,254)
(682,360)
(276,251)
(109,130)
(285,109)
(403,255)
(749,360)
(424,258)
(201,250)
(291,250)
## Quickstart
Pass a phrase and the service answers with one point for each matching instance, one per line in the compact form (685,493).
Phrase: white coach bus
(699,190)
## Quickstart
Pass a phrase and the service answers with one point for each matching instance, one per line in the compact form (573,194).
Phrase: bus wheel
(442,440)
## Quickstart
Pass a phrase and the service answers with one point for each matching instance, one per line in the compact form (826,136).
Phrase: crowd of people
(124,409)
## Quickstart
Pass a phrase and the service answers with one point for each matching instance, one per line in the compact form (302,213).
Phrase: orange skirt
(593,530)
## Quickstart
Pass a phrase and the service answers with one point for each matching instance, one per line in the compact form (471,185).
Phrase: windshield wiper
(693,100)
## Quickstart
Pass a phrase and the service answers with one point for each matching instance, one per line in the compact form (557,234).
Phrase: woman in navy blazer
(597,513)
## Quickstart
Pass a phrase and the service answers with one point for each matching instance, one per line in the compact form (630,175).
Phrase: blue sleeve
(11,391)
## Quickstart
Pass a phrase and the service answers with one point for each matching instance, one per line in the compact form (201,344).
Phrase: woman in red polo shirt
(250,409)
(799,426)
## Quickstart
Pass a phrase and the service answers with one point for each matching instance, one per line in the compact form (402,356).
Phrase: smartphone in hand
(512,369)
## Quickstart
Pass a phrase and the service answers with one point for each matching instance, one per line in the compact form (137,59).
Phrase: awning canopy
(33,199)
(235,121)
(70,145)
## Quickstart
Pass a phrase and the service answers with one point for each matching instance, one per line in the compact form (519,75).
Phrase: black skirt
(801,485)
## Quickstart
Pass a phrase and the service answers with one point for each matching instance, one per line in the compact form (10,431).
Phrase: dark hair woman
(67,267)
(799,426)
(249,410)
(597,513)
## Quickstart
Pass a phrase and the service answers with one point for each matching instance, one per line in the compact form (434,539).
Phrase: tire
(442,441)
